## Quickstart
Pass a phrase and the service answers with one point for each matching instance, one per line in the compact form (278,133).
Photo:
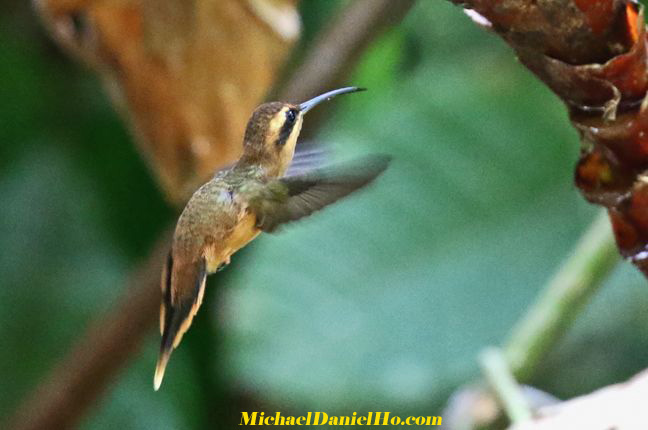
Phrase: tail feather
(165,285)
(177,314)
(163,359)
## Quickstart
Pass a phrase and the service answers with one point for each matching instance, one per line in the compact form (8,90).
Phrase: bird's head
(272,131)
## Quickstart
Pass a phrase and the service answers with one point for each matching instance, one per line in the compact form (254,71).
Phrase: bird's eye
(291,114)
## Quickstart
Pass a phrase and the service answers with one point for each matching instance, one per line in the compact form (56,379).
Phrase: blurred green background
(380,303)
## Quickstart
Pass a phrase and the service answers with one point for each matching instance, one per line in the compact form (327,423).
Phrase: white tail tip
(159,371)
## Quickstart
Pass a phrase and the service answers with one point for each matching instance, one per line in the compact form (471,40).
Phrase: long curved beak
(310,104)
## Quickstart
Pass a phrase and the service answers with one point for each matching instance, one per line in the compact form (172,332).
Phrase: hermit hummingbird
(239,202)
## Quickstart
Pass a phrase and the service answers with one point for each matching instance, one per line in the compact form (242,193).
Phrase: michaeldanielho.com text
(322,418)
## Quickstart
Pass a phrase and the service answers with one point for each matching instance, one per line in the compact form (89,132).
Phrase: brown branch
(108,344)
(339,47)
(106,347)
(341,44)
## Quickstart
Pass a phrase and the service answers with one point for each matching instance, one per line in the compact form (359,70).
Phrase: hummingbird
(254,195)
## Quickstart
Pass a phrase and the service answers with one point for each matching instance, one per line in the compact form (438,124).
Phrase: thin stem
(499,376)
(562,300)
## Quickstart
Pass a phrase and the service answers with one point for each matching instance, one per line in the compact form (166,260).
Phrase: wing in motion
(293,197)
(306,159)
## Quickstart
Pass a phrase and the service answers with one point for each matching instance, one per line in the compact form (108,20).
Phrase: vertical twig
(498,374)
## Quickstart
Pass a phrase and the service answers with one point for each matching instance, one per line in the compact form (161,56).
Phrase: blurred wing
(293,197)
(306,159)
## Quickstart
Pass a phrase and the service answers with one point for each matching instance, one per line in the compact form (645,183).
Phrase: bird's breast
(243,232)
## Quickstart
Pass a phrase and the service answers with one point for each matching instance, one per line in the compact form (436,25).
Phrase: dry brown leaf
(593,55)
(187,74)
